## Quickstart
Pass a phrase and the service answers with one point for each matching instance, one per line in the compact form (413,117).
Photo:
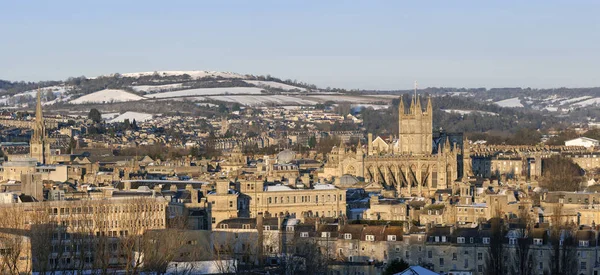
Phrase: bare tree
(562,239)
(523,258)
(495,264)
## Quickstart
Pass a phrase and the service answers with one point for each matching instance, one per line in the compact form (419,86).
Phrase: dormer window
(537,241)
(584,243)
(391,238)
(289,228)
(267,227)
(348,236)
(325,234)
(460,240)
(245,226)
(486,240)
(512,241)
(304,234)
(224,226)
(370,238)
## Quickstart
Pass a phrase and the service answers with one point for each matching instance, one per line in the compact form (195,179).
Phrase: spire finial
(416,87)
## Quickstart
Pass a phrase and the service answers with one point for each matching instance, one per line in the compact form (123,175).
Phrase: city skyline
(384,45)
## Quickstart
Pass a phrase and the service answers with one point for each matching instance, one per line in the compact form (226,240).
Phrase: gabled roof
(417,270)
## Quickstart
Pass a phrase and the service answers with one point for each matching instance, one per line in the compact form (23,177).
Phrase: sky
(345,44)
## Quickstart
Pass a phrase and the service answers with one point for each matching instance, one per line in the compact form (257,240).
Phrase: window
(348,236)
(213,220)
(325,234)
(584,243)
(460,240)
(391,238)
(304,234)
(289,228)
(583,265)
(443,239)
(370,238)
(224,226)
(437,239)
(406,254)
(245,226)
(441,261)
(267,227)
(537,241)
(454,256)
(541,265)
(429,254)
(480,268)
(512,241)
(466,263)
(472,240)
(486,240)
(480,256)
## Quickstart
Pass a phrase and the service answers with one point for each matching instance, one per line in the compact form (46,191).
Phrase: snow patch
(107,96)
(510,103)
(466,112)
(138,117)
(591,101)
(157,88)
(208,91)
(273,84)
(254,100)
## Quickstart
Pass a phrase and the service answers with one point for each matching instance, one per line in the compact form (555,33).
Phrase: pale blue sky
(348,44)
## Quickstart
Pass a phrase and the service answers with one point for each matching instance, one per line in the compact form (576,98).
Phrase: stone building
(413,165)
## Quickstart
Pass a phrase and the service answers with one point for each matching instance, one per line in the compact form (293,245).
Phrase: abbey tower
(415,128)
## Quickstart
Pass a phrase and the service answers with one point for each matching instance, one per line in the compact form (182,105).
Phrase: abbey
(414,164)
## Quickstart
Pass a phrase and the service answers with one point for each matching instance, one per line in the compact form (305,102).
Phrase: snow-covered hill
(107,96)
(192,74)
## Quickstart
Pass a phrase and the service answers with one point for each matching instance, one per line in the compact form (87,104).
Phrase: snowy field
(351,99)
(138,117)
(588,102)
(252,100)
(157,88)
(109,116)
(466,112)
(572,100)
(274,84)
(374,106)
(208,91)
(193,74)
(107,96)
(510,103)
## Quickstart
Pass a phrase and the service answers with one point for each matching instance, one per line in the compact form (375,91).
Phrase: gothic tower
(416,128)
(39,147)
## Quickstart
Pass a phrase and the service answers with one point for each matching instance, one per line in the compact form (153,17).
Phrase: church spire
(38,130)
(429,108)
(401,106)
(418,109)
